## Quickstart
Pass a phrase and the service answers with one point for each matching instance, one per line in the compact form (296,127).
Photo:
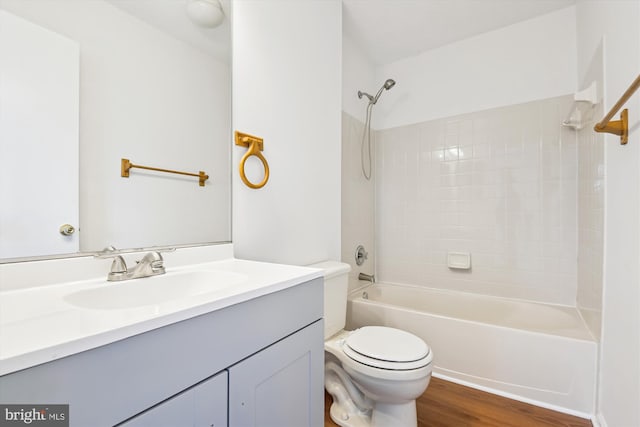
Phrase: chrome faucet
(151,264)
(369,277)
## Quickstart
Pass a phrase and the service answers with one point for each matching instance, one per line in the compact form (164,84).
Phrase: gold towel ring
(256,145)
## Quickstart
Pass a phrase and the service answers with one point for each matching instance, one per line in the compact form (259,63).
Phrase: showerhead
(388,84)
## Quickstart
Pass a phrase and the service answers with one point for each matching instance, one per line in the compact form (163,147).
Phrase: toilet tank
(336,285)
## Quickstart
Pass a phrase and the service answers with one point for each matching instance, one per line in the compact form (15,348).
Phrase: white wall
(619,389)
(157,101)
(357,192)
(358,73)
(287,90)
(534,59)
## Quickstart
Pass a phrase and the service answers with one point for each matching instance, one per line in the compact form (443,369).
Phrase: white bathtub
(537,353)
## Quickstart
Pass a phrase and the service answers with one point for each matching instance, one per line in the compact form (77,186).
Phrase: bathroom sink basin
(153,291)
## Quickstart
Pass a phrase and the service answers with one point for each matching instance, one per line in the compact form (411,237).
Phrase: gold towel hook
(255,145)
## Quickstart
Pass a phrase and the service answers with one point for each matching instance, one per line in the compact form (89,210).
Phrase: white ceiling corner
(389,30)
(170,17)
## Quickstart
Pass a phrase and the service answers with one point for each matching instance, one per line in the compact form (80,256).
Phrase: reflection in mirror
(86,83)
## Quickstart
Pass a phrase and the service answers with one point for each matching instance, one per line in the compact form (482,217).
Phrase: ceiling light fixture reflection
(205,13)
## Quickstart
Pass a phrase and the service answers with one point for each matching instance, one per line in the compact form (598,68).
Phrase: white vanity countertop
(41,324)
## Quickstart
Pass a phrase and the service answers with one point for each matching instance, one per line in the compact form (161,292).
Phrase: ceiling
(170,16)
(389,30)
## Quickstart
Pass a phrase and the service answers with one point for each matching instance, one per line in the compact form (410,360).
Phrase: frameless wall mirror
(86,83)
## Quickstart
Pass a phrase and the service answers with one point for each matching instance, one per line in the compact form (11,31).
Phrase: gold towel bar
(125,165)
(256,145)
(619,127)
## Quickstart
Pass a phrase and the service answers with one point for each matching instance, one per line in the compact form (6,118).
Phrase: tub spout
(370,277)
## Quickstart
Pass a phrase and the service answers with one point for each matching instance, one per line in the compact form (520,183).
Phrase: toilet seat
(336,346)
(387,348)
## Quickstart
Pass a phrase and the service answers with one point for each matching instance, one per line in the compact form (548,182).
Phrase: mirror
(146,84)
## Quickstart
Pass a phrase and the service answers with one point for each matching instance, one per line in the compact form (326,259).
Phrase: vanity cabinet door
(203,405)
(280,386)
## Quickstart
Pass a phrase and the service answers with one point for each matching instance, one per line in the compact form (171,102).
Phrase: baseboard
(523,399)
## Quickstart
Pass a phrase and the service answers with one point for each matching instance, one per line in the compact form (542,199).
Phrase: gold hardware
(619,127)
(256,145)
(125,165)
(67,229)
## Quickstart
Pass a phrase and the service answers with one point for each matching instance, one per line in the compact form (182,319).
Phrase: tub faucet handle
(361,255)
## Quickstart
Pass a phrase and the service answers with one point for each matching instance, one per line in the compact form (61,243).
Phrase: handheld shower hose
(366,134)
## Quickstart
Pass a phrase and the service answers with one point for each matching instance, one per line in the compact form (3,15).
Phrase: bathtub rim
(353,296)
(365,284)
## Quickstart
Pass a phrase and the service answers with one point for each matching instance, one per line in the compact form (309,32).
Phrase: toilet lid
(387,345)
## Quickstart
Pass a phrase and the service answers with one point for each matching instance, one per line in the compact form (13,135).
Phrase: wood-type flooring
(446,404)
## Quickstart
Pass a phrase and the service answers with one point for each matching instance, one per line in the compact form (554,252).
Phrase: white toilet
(374,373)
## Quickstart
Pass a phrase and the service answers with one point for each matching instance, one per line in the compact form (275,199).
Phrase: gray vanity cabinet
(261,360)
(203,405)
(276,387)
(280,386)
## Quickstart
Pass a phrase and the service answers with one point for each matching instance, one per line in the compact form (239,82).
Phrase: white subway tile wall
(501,184)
